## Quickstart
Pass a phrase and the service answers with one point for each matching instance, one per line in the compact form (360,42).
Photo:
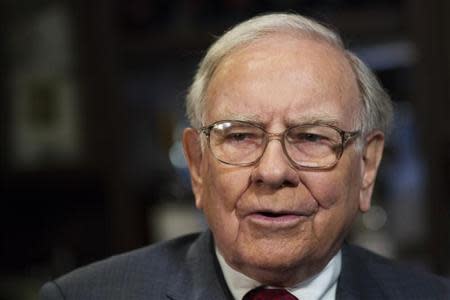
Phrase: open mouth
(276,216)
(275,220)
(270,214)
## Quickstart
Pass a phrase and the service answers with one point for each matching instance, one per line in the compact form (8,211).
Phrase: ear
(372,154)
(193,154)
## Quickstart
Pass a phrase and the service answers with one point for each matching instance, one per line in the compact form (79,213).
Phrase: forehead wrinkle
(310,119)
(287,121)
(246,117)
(249,63)
(300,116)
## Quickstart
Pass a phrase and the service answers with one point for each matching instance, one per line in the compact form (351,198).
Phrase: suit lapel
(356,280)
(202,277)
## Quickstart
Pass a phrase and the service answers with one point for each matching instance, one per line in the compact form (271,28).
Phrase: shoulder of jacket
(391,275)
(141,264)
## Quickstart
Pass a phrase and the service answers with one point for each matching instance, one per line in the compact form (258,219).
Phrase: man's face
(272,221)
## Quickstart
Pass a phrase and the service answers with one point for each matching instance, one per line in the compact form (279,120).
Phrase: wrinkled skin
(280,81)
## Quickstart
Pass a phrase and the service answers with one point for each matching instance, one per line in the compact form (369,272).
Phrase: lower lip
(280,221)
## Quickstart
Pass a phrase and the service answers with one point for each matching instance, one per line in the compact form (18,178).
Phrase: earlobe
(372,154)
(193,154)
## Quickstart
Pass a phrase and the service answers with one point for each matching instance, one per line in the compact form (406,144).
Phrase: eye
(305,137)
(236,134)
(310,137)
(239,136)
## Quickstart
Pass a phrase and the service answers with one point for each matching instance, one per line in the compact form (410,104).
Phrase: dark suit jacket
(186,268)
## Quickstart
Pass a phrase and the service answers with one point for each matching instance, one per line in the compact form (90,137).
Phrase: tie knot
(269,294)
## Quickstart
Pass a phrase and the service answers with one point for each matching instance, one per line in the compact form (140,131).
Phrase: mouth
(270,214)
(276,219)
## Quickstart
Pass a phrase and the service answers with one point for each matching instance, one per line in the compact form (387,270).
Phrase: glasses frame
(346,136)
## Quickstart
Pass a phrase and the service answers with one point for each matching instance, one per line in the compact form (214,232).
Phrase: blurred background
(92,106)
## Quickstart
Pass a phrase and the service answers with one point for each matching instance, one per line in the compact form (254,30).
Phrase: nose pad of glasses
(274,168)
(284,154)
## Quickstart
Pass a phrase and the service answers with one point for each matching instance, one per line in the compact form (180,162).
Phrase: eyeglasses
(307,146)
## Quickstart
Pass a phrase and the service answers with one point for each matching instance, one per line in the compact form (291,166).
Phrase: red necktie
(269,294)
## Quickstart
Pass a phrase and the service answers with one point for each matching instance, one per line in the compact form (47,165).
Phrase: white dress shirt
(321,286)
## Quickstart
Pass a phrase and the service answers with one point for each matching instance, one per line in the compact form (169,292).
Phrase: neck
(283,277)
(316,286)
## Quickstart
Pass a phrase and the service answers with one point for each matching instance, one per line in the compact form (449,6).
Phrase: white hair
(376,111)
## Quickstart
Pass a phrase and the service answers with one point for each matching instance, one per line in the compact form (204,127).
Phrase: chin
(274,260)
(272,271)
(277,265)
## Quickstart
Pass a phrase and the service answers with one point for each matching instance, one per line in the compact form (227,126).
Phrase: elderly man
(287,134)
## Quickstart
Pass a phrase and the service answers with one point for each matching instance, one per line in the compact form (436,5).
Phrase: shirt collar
(321,286)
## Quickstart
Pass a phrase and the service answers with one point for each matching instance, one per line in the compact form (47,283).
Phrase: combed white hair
(376,111)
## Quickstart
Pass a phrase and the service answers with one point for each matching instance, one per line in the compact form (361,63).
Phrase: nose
(274,168)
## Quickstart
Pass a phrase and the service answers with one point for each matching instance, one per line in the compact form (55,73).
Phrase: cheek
(337,194)
(223,187)
(325,189)
(337,187)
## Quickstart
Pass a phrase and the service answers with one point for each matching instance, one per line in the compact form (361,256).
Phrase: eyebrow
(251,118)
(316,120)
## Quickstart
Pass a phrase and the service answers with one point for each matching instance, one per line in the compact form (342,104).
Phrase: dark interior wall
(430,27)
(133,63)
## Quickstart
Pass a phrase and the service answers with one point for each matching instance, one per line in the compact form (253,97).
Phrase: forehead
(283,76)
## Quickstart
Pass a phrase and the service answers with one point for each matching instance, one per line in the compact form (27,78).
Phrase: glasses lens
(313,146)
(236,142)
